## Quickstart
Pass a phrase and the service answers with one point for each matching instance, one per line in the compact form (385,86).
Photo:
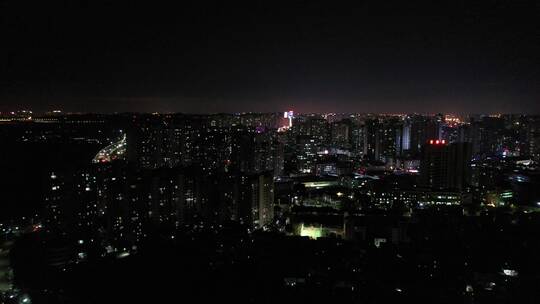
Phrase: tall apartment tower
(262,199)
(445,166)
(256,199)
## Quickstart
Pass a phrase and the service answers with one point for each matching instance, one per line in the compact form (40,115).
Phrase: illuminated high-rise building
(406,137)
(306,153)
(289,115)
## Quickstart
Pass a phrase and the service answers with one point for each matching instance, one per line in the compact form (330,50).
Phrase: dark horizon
(389,57)
(61,112)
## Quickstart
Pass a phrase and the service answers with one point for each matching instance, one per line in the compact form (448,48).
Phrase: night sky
(378,56)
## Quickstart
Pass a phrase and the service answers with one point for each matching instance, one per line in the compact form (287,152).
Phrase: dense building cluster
(256,168)
(372,180)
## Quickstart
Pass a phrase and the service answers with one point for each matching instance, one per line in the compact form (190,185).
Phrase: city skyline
(310,203)
(305,151)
